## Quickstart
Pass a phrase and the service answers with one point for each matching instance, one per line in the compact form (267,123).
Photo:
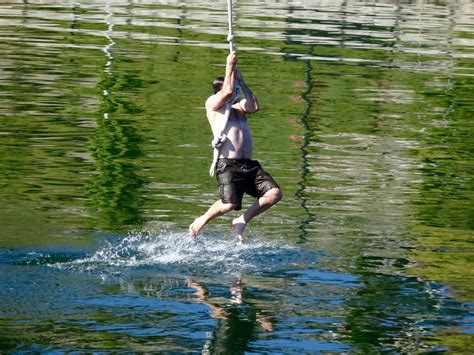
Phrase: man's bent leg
(270,198)
(217,209)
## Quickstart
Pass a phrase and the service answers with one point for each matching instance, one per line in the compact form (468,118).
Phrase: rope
(230,36)
(220,136)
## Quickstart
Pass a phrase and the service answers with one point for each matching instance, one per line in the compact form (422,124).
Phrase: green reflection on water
(375,157)
(114,187)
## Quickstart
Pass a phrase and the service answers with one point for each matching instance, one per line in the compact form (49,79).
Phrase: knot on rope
(218,141)
(230,37)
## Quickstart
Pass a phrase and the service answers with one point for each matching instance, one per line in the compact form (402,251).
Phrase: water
(365,123)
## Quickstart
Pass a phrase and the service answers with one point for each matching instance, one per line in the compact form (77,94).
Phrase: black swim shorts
(239,176)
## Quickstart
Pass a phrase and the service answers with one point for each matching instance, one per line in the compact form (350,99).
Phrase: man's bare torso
(238,144)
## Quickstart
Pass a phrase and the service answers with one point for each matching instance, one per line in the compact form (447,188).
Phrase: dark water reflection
(366,125)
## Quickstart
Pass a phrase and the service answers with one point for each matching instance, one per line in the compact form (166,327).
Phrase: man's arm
(220,98)
(249,103)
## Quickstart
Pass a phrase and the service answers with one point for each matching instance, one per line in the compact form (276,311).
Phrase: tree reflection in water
(113,188)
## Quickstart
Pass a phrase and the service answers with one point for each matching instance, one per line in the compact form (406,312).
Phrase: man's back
(238,144)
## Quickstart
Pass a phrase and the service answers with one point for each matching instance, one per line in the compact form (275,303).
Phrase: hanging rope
(230,36)
(220,136)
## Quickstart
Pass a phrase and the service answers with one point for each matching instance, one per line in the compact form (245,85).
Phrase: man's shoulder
(208,100)
(212,103)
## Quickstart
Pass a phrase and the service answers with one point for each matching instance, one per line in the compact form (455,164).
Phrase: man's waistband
(239,161)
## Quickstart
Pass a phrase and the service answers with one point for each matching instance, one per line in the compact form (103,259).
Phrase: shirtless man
(236,172)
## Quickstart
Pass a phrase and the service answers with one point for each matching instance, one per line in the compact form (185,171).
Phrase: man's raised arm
(220,98)
(249,103)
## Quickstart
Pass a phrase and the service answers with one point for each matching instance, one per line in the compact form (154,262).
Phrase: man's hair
(217,84)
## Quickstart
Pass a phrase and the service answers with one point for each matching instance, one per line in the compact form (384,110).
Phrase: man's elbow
(252,109)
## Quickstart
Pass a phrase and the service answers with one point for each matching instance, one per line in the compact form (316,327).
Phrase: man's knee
(274,195)
(228,206)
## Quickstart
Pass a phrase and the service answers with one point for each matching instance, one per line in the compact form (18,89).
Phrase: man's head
(217,84)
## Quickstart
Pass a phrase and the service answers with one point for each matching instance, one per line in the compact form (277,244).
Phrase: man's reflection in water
(237,321)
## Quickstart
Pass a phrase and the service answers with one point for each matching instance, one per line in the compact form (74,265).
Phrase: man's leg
(217,209)
(270,198)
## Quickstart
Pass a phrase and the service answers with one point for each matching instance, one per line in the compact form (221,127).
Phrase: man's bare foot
(196,226)
(238,226)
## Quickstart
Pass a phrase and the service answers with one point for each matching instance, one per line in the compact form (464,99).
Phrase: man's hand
(232,59)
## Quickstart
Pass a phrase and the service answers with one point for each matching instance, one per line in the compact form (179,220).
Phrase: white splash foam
(171,250)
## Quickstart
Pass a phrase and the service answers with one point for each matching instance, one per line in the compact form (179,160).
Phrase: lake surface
(366,122)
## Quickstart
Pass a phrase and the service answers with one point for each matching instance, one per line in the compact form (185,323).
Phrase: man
(236,172)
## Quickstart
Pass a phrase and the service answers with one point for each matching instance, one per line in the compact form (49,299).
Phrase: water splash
(177,252)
